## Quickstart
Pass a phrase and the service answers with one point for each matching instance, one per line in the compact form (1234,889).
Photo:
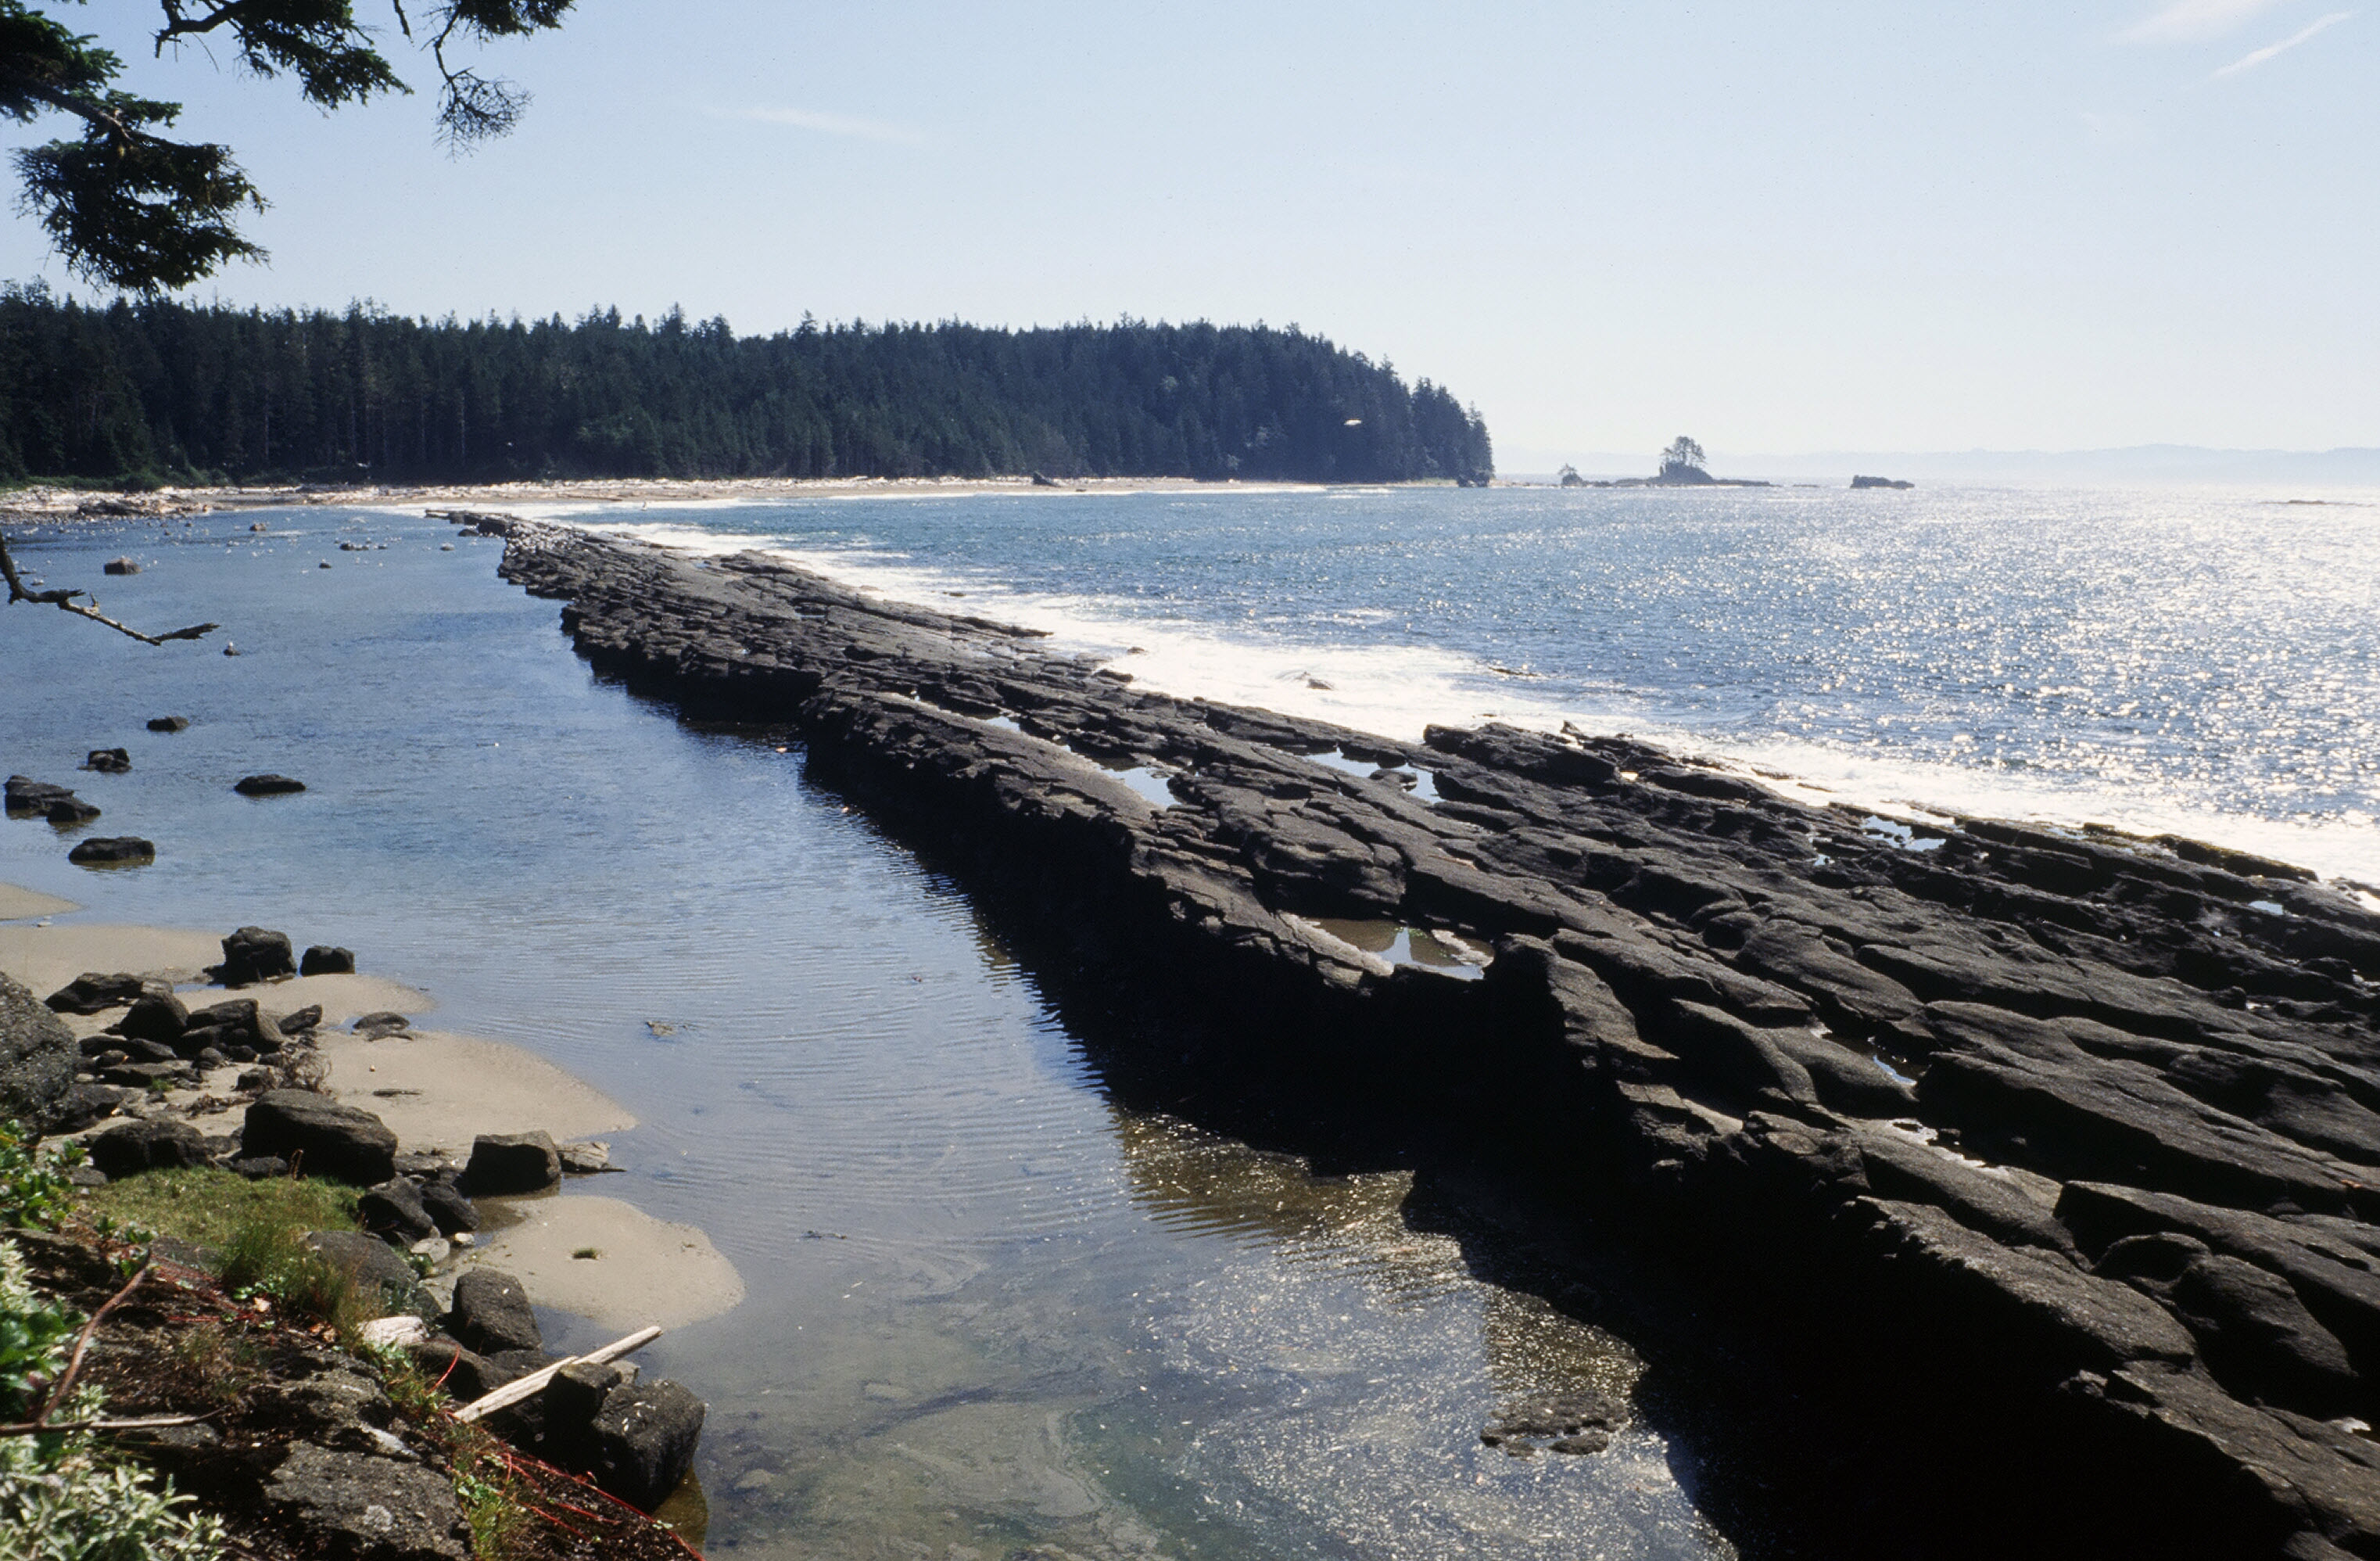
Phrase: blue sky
(1784,227)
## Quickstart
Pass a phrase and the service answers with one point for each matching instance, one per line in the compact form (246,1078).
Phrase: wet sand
(23,904)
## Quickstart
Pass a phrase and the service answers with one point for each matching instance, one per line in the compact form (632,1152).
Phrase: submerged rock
(121,850)
(267,785)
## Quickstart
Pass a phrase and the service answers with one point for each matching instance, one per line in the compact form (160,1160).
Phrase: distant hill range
(168,392)
(2139,463)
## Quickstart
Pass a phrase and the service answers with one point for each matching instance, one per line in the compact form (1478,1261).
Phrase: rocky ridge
(2066,1144)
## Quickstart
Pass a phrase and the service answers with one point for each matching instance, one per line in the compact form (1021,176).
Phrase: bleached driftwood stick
(532,1384)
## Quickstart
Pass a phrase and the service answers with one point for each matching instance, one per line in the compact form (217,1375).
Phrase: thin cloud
(2192,21)
(2251,61)
(842,125)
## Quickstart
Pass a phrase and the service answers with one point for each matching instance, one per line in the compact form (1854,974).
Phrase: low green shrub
(34,1192)
(63,1497)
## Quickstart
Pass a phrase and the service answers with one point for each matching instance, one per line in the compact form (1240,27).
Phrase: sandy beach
(53,504)
(437,1090)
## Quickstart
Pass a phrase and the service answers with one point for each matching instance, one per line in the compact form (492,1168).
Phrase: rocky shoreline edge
(324,1414)
(2055,1153)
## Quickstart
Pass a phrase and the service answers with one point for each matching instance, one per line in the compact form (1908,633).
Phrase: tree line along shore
(159,391)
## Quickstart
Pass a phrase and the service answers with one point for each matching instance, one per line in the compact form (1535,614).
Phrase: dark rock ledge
(2064,1146)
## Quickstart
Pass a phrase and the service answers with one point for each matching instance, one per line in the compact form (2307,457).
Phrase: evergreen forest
(156,391)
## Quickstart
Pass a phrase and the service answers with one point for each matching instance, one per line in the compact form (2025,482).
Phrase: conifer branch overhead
(128,206)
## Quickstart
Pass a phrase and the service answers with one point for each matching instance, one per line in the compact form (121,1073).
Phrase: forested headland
(156,392)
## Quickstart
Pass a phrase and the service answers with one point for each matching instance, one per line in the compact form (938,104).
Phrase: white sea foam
(1396,690)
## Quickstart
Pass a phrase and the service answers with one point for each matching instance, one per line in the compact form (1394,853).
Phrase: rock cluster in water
(2064,1147)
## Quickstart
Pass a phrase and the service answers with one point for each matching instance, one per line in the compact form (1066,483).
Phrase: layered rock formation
(2064,1147)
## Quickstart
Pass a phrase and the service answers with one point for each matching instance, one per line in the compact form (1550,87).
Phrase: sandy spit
(436,1090)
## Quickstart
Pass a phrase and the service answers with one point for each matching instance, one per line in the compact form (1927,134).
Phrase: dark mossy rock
(68,812)
(93,993)
(505,1163)
(338,1140)
(267,786)
(492,1312)
(645,1438)
(37,1055)
(323,960)
(27,797)
(393,1210)
(159,1017)
(108,760)
(255,954)
(169,723)
(147,1146)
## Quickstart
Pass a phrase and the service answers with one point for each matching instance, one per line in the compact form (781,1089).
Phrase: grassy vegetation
(210,1206)
(484,1476)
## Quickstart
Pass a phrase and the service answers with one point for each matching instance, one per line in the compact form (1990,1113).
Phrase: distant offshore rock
(1881,482)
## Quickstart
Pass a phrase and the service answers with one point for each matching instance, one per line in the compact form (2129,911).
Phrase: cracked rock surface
(2081,1130)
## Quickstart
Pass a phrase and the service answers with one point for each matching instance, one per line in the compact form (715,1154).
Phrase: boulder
(644,1441)
(37,1055)
(124,566)
(376,1025)
(169,723)
(365,1506)
(147,1146)
(120,1048)
(512,1163)
(492,1312)
(302,1022)
(464,1372)
(448,1209)
(393,1210)
(92,993)
(321,960)
(150,1074)
(27,797)
(334,1141)
(267,786)
(68,812)
(252,955)
(113,850)
(238,1022)
(378,1269)
(157,1016)
(83,1105)
(108,760)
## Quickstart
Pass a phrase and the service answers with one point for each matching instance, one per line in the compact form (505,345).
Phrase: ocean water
(995,1308)
(2204,659)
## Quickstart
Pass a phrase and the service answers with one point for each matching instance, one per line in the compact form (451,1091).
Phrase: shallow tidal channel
(991,1308)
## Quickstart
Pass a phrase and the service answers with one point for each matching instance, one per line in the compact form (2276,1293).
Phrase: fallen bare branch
(64,602)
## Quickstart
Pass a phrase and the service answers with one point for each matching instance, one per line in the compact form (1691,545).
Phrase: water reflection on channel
(1282,1364)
